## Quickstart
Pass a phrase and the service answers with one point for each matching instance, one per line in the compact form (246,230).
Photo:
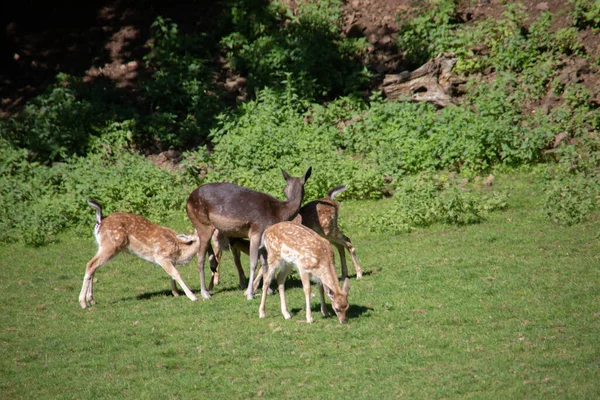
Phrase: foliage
(586,14)
(427,199)
(179,93)
(487,130)
(271,45)
(425,29)
(274,131)
(573,185)
(43,201)
(56,124)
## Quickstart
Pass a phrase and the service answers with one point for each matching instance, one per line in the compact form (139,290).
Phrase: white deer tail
(98,208)
(334,191)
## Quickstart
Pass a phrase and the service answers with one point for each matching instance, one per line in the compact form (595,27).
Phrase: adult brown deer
(157,244)
(290,244)
(320,215)
(240,212)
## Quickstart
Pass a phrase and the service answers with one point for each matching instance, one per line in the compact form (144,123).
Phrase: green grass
(503,309)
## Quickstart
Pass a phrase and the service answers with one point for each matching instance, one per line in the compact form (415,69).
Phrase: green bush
(43,201)
(270,46)
(54,125)
(572,191)
(586,14)
(179,97)
(426,199)
(426,30)
(275,131)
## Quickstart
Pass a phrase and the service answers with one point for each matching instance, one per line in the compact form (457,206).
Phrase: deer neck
(291,207)
(188,251)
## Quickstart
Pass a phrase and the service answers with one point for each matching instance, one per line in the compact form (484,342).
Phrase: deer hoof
(205,295)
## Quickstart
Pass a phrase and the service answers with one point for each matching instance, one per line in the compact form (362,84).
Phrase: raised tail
(98,208)
(334,191)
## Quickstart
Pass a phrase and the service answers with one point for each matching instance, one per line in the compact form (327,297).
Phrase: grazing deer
(290,244)
(240,212)
(319,215)
(157,244)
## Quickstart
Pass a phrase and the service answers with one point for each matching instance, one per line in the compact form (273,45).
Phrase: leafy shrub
(271,45)
(54,125)
(487,130)
(179,92)
(273,132)
(586,13)
(427,199)
(572,197)
(573,184)
(424,33)
(40,201)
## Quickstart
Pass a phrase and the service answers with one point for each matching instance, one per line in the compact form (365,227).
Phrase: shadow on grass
(354,311)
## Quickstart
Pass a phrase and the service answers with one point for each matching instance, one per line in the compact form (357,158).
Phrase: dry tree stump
(432,82)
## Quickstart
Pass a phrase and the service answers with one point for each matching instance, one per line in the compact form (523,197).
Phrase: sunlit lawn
(504,309)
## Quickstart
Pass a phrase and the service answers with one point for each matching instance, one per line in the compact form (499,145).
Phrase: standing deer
(322,217)
(240,212)
(319,215)
(157,244)
(290,244)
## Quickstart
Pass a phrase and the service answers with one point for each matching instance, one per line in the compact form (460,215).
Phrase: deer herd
(282,234)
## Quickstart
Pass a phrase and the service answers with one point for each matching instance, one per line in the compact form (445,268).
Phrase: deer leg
(352,252)
(254,244)
(174,274)
(324,310)
(214,260)
(237,260)
(281,277)
(342,252)
(306,286)
(86,296)
(174,290)
(204,238)
(258,278)
(267,274)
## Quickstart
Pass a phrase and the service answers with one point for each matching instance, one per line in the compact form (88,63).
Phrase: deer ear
(185,238)
(285,174)
(346,287)
(329,292)
(307,175)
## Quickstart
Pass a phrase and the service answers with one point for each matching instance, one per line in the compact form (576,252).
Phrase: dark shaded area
(41,38)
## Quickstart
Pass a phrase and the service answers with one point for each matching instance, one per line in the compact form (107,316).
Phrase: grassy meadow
(503,309)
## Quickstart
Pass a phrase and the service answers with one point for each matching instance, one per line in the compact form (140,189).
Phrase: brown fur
(290,244)
(319,215)
(239,212)
(157,244)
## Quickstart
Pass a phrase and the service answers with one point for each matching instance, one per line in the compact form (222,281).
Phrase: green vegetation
(471,289)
